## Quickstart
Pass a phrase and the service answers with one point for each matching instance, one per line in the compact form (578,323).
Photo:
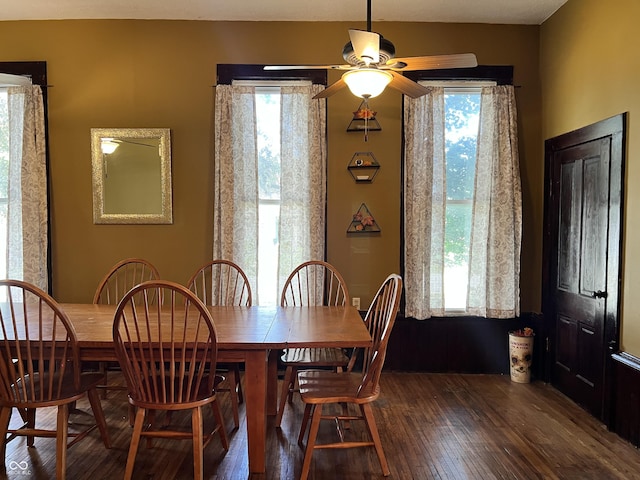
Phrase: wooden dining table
(253,335)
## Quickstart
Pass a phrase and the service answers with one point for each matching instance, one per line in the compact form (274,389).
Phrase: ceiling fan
(372,65)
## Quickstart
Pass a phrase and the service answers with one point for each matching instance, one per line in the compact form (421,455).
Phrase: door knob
(599,294)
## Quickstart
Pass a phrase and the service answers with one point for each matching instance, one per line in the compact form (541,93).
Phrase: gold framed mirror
(131,170)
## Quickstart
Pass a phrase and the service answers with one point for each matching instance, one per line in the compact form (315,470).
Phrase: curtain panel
(496,231)
(425,204)
(27,229)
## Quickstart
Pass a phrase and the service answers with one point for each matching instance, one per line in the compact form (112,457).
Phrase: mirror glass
(131,175)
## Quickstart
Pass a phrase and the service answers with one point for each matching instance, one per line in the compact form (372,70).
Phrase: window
(270,176)
(462,202)
(23,177)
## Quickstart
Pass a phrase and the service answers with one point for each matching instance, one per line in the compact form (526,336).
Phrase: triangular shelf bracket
(363,167)
(364,119)
(363,222)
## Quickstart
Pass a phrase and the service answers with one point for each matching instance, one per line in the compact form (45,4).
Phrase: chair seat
(68,391)
(320,386)
(318,357)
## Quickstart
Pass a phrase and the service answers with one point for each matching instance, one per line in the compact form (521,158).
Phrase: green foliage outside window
(268,106)
(461,120)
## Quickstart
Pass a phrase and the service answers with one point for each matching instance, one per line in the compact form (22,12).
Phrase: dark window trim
(228,72)
(502,74)
(37,71)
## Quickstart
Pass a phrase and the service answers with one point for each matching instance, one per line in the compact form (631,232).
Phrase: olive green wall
(113,73)
(590,69)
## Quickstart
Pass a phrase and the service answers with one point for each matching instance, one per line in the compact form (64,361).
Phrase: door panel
(583,211)
(582,238)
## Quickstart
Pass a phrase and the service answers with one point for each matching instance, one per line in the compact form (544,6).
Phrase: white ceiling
(532,12)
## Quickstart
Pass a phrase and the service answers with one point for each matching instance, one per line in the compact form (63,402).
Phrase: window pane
(456,262)
(268,129)
(268,244)
(461,133)
(268,125)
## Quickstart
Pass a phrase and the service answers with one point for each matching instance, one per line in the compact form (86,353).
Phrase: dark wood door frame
(615,128)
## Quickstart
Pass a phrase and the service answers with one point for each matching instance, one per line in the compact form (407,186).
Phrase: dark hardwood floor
(433,426)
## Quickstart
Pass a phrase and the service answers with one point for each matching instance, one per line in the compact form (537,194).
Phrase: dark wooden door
(583,204)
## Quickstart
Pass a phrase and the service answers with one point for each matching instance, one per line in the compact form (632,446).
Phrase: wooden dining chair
(164,372)
(320,388)
(223,283)
(312,283)
(33,375)
(121,278)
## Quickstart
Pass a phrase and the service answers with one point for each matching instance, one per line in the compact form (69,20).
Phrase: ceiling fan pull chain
(365,104)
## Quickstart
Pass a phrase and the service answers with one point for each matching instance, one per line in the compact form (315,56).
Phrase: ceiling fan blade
(307,67)
(407,86)
(433,62)
(331,89)
(366,45)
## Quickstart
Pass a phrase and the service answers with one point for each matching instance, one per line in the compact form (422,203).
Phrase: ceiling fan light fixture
(367,82)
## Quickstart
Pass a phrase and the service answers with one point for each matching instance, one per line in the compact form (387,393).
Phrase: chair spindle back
(155,344)
(221,283)
(314,283)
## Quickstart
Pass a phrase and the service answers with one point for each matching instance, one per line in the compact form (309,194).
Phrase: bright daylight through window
(462,112)
(268,127)
(4,176)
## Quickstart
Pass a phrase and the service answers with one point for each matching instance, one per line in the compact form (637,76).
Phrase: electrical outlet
(355,301)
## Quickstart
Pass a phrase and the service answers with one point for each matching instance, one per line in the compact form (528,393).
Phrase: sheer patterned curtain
(302,186)
(425,204)
(303,178)
(27,229)
(494,259)
(235,218)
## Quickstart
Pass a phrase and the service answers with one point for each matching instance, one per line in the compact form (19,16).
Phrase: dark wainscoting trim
(626,397)
(458,344)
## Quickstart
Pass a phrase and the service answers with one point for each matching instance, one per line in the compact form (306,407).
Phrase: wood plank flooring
(433,426)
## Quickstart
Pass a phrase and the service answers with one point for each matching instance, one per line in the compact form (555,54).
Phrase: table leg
(255,389)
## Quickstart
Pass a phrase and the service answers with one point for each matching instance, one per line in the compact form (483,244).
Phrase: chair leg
(151,420)
(218,416)
(62,428)
(103,368)
(135,442)
(5,417)
(305,422)
(367,413)
(287,385)
(311,441)
(31,423)
(23,414)
(132,415)
(196,429)
(238,382)
(235,400)
(98,413)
